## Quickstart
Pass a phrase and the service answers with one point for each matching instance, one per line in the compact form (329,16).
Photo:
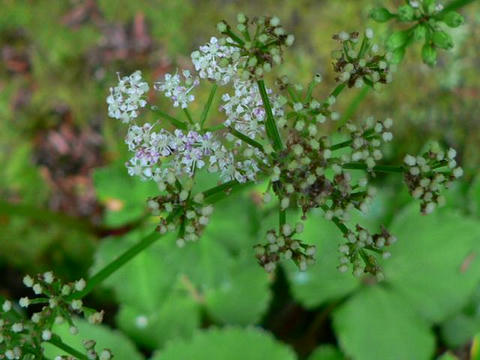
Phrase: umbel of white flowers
(303,166)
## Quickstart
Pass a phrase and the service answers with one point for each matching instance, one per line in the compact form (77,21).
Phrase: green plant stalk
(189,117)
(208,105)
(353,106)
(455,5)
(215,127)
(270,125)
(133,251)
(368,134)
(55,340)
(282,219)
(175,122)
(246,138)
(376,168)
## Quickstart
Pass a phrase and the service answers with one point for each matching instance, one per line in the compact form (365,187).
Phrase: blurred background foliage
(66,202)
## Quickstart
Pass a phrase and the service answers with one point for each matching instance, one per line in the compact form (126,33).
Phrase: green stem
(282,219)
(208,105)
(308,96)
(367,134)
(45,216)
(234,37)
(246,138)
(292,94)
(55,340)
(116,264)
(270,125)
(189,117)
(455,5)
(175,122)
(353,106)
(215,128)
(341,226)
(376,168)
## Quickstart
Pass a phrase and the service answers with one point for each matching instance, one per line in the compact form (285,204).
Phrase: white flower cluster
(182,153)
(423,179)
(22,338)
(174,88)
(127,97)
(244,109)
(284,247)
(354,251)
(216,62)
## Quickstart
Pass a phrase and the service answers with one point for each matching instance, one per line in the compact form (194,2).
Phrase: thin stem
(353,106)
(208,105)
(55,340)
(189,117)
(368,135)
(245,138)
(455,5)
(282,218)
(292,93)
(175,122)
(215,127)
(270,125)
(234,37)
(308,96)
(341,226)
(116,264)
(376,168)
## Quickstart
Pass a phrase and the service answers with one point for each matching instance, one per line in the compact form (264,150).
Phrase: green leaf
(460,329)
(378,324)
(447,356)
(442,40)
(227,303)
(176,317)
(326,352)
(453,19)
(123,196)
(398,39)
(429,54)
(406,13)
(474,197)
(228,343)
(218,273)
(398,55)
(381,15)
(321,282)
(435,264)
(106,338)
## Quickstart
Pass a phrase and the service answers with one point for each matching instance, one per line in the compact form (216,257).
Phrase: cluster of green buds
(283,246)
(261,42)
(55,303)
(360,62)
(426,175)
(359,249)
(428,20)
(188,213)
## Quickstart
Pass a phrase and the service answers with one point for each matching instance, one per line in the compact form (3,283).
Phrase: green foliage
(217,274)
(377,324)
(105,338)
(230,343)
(326,352)
(122,206)
(440,246)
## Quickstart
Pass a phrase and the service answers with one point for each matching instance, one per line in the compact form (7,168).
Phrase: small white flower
(80,285)
(216,62)
(179,91)
(46,335)
(127,97)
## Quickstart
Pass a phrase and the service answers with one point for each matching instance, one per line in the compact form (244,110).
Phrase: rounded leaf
(377,324)
(381,14)
(228,343)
